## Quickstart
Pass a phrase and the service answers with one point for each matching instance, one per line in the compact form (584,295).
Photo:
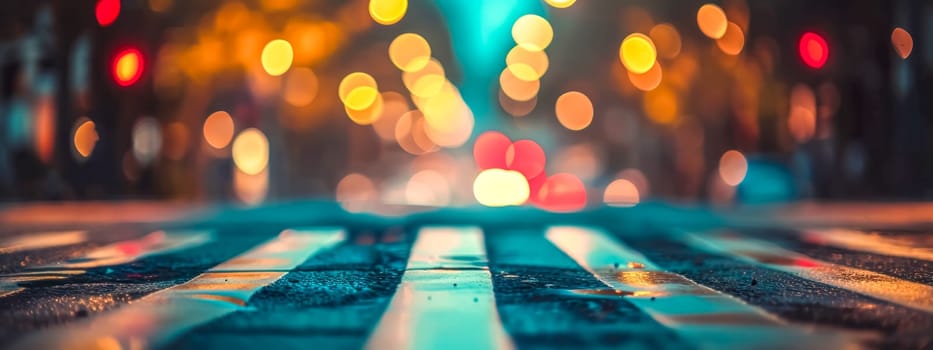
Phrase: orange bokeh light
(574,110)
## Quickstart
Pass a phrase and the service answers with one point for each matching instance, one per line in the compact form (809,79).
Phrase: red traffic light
(813,50)
(107,11)
(127,67)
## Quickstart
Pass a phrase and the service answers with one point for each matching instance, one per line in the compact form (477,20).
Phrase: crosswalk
(462,287)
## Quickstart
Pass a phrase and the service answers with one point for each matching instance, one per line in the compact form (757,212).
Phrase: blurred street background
(419,102)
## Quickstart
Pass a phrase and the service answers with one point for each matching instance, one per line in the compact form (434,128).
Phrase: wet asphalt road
(461,279)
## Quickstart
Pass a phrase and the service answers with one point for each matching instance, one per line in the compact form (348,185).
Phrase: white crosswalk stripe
(700,315)
(872,284)
(445,300)
(160,317)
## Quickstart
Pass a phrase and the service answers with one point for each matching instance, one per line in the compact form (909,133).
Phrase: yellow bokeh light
(387,12)
(561,4)
(251,151)
(527,65)
(361,87)
(660,105)
(518,89)
(433,67)
(733,41)
(430,85)
(574,110)
(638,53)
(621,192)
(369,114)
(218,129)
(410,52)
(361,98)
(532,32)
(733,167)
(712,21)
(277,57)
(499,188)
(301,86)
(85,137)
(666,39)
(648,81)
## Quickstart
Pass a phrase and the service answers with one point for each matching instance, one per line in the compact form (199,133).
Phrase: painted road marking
(155,243)
(876,285)
(445,300)
(158,318)
(41,240)
(919,247)
(700,315)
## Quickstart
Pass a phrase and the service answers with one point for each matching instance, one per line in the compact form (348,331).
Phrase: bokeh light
(902,41)
(355,192)
(369,114)
(518,89)
(621,192)
(527,65)
(387,12)
(801,123)
(561,4)
(562,192)
(277,57)
(409,52)
(732,42)
(647,81)
(574,110)
(394,105)
(638,53)
(107,12)
(301,85)
(489,150)
(85,137)
(147,140)
(526,157)
(733,167)
(499,188)
(712,21)
(666,40)
(428,188)
(218,129)
(532,32)
(128,67)
(433,70)
(251,151)
(357,80)
(814,51)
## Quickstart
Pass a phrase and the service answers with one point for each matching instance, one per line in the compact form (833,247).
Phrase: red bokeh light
(526,157)
(107,11)
(127,67)
(562,192)
(490,149)
(813,50)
